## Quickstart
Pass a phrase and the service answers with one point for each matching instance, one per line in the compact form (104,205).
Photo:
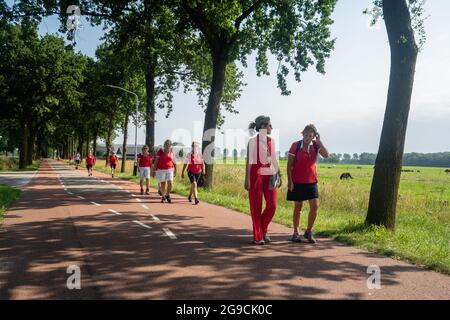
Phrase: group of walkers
(262,175)
(263,178)
(162,166)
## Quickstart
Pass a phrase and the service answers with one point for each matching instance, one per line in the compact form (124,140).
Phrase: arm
(322,150)
(247,174)
(290,165)
(182,171)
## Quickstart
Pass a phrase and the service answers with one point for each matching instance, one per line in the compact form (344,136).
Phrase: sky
(346,104)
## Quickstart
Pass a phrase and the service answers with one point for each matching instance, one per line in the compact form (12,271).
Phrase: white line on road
(68,192)
(144,206)
(114,211)
(138,200)
(133,195)
(95,203)
(155,217)
(82,198)
(169,233)
(142,224)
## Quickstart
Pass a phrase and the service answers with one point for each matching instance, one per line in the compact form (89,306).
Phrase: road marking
(142,224)
(144,206)
(114,211)
(82,198)
(127,191)
(169,233)
(155,217)
(133,195)
(68,192)
(95,203)
(138,200)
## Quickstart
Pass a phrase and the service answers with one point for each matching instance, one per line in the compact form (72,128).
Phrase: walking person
(302,179)
(90,162)
(166,169)
(262,178)
(77,160)
(195,165)
(144,167)
(113,160)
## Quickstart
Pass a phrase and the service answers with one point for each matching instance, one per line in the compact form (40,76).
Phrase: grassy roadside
(7,196)
(422,234)
(12,164)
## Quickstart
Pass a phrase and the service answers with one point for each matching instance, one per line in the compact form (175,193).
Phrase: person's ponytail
(252,125)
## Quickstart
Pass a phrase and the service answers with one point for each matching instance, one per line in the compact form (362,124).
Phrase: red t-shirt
(90,160)
(304,170)
(194,162)
(145,161)
(113,159)
(165,160)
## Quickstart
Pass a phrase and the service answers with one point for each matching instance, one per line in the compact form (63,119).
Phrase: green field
(422,234)
(7,196)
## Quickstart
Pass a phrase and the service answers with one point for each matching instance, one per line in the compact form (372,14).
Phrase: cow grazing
(346,175)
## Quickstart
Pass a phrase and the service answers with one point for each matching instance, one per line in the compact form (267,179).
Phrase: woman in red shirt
(113,163)
(261,166)
(195,168)
(166,169)
(302,178)
(90,161)
(144,165)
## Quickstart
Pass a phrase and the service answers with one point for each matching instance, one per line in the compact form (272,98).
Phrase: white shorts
(144,173)
(164,175)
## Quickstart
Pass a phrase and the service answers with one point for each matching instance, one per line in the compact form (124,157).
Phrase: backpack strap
(299,146)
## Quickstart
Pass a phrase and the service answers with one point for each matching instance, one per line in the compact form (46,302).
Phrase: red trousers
(259,187)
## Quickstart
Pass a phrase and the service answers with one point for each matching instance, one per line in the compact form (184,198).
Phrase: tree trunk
(108,142)
(125,138)
(24,146)
(30,144)
(220,57)
(386,179)
(80,145)
(150,109)
(94,145)
(87,144)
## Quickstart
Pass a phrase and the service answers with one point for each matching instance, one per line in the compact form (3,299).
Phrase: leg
(271,205)
(169,187)
(163,188)
(147,184)
(313,208)
(194,187)
(191,191)
(255,196)
(296,217)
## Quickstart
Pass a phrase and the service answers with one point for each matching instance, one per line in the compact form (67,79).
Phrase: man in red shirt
(90,161)
(144,164)
(302,178)
(166,169)
(195,168)
(113,160)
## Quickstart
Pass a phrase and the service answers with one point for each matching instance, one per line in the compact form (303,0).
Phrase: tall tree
(295,31)
(404,50)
